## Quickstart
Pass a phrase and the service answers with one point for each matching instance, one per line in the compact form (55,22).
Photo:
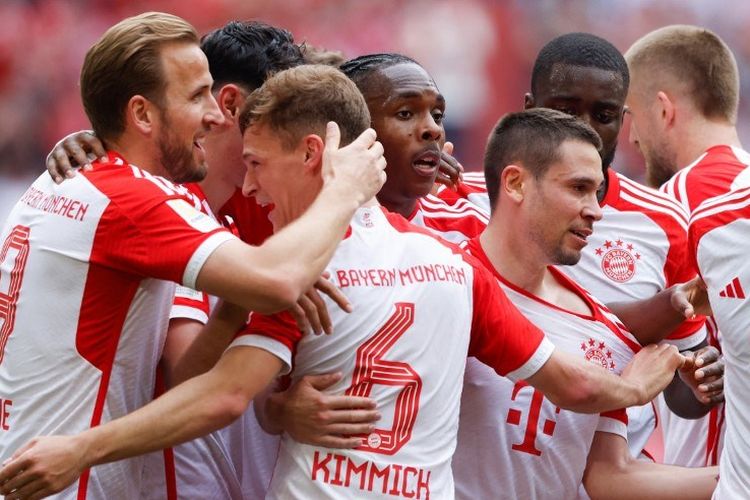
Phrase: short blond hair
(302,100)
(126,61)
(695,58)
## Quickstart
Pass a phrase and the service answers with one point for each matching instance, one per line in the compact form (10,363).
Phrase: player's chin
(567,256)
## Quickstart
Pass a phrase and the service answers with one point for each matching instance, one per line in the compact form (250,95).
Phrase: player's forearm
(577,385)
(682,402)
(209,343)
(642,480)
(649,320)
(195,408)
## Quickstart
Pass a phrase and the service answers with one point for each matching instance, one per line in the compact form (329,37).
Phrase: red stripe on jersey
(650,198)
(620,415)
(99,328)
(281,327)
(711,175)
(670,217)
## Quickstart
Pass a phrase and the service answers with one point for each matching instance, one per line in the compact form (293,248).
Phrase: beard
(658,170)
(176,158)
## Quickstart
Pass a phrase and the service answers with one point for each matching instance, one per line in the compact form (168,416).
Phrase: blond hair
(126,62)
(301,100)
(694,58)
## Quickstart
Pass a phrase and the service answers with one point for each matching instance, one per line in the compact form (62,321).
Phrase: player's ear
(231,99)
(666,107)
(513,182)
(528,101)
(313,150)
(141,113)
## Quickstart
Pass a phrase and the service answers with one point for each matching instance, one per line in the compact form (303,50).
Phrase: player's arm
(575,384)
(700,384)
(201,405)
(309,415)
(652,320)
(612,474)
(273,276)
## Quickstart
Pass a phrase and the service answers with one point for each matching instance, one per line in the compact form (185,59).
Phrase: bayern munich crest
(618,260)
(596,351)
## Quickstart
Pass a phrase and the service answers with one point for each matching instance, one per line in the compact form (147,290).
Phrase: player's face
(562,204)
(594,95)
(187,114)
(277,175)
(648,139)
(407,113)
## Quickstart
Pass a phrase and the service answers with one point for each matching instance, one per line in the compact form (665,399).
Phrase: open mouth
(426,163)
(582,234)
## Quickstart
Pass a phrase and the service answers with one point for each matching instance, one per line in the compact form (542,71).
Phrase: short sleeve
(614,422)
(190,304)
(275,333)
(501,337)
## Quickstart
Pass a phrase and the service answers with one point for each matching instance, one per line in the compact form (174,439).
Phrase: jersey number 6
(371,369)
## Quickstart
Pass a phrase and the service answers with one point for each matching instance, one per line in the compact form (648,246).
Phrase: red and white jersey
(720,169)
(473,188)
(717,171)
(247,218)
(234,462)
(455,222)
(718,242)
(86,272)
(421,305)
(638,248)
(511,439)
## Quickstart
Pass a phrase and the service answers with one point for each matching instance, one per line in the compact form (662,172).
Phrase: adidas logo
(733,290)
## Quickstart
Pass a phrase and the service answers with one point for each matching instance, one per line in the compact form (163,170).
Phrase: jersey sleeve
(501,337)
(275,333)
(614,422)
(190,304)
(160,236)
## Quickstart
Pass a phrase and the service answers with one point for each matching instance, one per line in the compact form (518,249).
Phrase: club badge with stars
(596,351)
(618,260)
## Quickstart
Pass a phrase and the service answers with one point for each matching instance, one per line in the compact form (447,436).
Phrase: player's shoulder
(720,211)
(658,205)
(130,185)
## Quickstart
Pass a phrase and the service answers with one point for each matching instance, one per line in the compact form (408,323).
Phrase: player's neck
(139,153)
(514,258)
(402,206)
(702,135)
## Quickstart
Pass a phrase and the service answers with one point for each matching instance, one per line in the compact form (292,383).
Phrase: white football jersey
(420,305)
(638,249)
(718,237)
(86,272)
(718,170)
(512,442)
(232,463)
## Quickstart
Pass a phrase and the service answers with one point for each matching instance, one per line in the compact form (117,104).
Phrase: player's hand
(43,466)
(311,313)
(691,298)
(357,169)
(450,171)
(78,149)
(310,416)
(703,372)
(652,369)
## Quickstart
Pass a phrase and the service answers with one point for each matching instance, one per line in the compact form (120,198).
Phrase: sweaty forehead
(400,80)
(582,82)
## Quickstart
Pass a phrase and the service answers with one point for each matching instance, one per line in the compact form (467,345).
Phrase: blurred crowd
(478,51)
